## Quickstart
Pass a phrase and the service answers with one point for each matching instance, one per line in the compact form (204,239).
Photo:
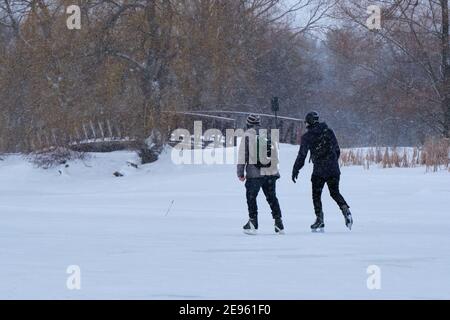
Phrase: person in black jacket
(321,142)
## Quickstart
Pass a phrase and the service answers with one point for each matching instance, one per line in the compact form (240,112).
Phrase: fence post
(109,129)
(47,140)
(93,129)
(101,130)
(119,132)
(39,140)
(85,132)
(54,137)
(77,133)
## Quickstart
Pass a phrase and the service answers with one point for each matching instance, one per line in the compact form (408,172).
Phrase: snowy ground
(127,246)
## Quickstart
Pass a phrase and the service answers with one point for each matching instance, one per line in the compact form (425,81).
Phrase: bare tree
(418,34)
(148,53)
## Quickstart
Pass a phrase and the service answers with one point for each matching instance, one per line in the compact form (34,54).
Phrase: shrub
(54,157)
(434,155)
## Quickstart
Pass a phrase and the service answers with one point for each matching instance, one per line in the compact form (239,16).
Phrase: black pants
(268,184)
(333,185)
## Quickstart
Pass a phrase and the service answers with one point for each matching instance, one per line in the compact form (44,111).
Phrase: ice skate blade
(280,232)
(318,230)
(250,232)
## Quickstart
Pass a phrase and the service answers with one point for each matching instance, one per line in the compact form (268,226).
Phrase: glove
(294,176)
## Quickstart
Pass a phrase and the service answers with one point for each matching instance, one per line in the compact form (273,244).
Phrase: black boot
(348,216)
(279,227)
(319,225)
(251,227)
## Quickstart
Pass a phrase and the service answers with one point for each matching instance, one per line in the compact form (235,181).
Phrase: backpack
(263,163)
(323,148)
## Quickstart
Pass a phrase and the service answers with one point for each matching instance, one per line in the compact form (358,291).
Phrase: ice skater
(258,174)
(321,142)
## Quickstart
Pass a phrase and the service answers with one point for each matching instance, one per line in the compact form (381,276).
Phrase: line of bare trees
(132,61)
(402,69)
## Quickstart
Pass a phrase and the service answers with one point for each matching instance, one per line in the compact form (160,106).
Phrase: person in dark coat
(259,176)
(321,142)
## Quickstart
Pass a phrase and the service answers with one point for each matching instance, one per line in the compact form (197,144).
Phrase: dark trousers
(333,185)
(268,185)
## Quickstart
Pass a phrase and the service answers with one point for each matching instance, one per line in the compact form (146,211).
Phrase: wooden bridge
(108,135)
(290,128)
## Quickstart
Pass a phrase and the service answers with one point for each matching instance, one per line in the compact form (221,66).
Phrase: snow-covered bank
(130,242)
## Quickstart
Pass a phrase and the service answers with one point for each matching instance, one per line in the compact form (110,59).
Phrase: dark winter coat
(321,142)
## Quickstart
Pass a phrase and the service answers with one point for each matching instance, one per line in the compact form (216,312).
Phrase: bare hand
(242,179)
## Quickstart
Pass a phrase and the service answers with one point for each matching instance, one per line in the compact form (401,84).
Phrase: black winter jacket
(325,160)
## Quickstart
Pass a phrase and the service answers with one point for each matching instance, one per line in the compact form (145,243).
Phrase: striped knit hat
(253,120)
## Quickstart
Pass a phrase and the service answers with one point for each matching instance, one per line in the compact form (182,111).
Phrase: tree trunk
(147,92)
(445,68)
(151,109)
